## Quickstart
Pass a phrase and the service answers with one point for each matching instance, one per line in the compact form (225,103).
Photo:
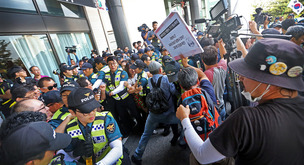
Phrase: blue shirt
(143,81)
(111,135)
(123,76)
(206,84)
(168,89)
(147,40)
(69,60)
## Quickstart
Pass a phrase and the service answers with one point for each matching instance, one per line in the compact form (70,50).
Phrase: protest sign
(177,38)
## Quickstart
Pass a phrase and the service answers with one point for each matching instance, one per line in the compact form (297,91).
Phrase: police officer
(95,136)
(68,73)
(119,99)
(61,114)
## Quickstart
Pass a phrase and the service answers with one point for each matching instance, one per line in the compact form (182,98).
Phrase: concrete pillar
(195,12)
(118,23)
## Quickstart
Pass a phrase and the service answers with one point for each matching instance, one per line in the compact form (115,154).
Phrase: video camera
(56,72)
(224,29)
(143,28)
(70,49)
(260,17)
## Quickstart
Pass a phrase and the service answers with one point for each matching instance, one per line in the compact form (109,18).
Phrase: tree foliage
(275,8)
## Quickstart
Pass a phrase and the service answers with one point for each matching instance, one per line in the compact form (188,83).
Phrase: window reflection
(26,6)
(53,7)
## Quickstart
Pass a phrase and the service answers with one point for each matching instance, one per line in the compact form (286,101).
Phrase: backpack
(156,100)
(203,114)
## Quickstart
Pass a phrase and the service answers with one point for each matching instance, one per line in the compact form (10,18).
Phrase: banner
(177,38)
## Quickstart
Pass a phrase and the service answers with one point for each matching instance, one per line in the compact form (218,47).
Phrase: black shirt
(271,133)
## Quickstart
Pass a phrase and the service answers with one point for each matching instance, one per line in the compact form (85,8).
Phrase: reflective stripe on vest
(59,115)
(143,75)
(99,138)
(110,87)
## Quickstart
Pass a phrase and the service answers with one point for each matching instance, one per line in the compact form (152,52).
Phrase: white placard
(177,38)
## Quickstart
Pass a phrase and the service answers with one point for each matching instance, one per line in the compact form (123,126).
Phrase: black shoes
(135,161)
(166,131)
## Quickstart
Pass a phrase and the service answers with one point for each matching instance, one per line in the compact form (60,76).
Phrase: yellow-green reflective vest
(60,115)
(143,92)
(110,87)
(98,134)
(105,69)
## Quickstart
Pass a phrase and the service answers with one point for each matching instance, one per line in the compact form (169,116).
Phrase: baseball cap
(83,99)
(86,66)
(85,58)
(138,64)
(270,31)
(99,60)
(66,67)
(163,49)
(51,97)
(154,66)
(273,61)
(200,33)
(166,60)
(147,49)
(134,57)
(277,25)
(105,54)
(119,56)
(69,86)
(172,70)
(31,139)
(141,51)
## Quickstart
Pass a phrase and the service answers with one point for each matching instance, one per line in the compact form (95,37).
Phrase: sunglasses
(51,87)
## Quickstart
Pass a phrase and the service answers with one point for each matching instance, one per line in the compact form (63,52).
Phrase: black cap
(83,99)
(273,61)
(99,60)
(270,31)
(85,58)
(66,67)
(138,64)
(147,49)
(105,54)
(163,49)
(51,97)
(86,66)
(69,86)
(134,57)
(141,51)
(11,72)
(31,139)
(172,70)
(166,60)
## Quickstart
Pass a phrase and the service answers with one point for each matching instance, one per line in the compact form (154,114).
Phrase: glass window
(26,6)
(53,7)
(80,40)
(28,50)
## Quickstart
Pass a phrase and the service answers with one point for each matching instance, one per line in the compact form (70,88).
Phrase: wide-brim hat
(273,61)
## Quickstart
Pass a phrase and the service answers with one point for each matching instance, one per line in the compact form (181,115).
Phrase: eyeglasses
(42,108)
(51,87)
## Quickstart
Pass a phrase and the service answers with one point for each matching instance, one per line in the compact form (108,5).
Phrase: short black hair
(21,91)
(187,78)
(209,56)
(32,67)
(40,82)
(154,22)
(82,82)
(134,43)
(138,42)
(111,58)
(205,41)
(296,31)
(287,23)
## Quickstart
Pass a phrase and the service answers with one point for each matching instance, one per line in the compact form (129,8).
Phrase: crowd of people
(103,99)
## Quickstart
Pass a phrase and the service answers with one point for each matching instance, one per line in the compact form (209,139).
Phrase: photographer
(144,34)
(73,51)
(153,38)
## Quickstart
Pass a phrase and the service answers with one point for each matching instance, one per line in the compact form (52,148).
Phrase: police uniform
(103,131)
(6,107)
(74,78)
(59,116)
(121,101)
(142,80)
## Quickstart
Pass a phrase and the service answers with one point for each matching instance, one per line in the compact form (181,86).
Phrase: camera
(224,29)
(56,72)
(143,28)
(70,49)
(260,17)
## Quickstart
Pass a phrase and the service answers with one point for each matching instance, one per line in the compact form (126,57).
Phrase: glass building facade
(36,32)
